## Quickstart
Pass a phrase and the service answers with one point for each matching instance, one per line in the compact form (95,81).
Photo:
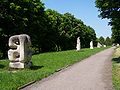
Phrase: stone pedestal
(78,46)
(19,53)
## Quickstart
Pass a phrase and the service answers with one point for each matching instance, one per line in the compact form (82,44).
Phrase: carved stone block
(19,53)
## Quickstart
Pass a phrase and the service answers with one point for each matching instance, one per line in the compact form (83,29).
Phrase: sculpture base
(18,65)
(78,50)
(91,47)
(98,47)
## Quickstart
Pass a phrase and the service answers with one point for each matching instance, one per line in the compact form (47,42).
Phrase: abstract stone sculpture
(19,53)
(91,45)
(99,45)
(78,44)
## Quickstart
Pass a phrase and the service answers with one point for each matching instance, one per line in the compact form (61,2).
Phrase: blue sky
(84,10)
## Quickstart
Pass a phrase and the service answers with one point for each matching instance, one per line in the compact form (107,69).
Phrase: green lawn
(116,69)
(44,65)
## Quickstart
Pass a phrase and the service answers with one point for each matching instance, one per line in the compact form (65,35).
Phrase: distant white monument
(104,45)
(117,45)
(78,46)
(99,45)
(91,45)
(19,53)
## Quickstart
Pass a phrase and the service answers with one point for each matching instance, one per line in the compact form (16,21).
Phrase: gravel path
(93,73)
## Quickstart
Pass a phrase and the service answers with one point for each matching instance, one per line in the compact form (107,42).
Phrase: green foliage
(18,17)
(66,28)
(48,29)
(115,35)
(105,41)
(110,9)
(108,41)
(1,54)
(44,65)
(101,40)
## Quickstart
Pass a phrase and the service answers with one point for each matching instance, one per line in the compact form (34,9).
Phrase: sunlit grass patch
(44,65)
(116,69)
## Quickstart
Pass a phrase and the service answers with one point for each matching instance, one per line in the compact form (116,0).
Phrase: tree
(17,17)
(108,41)
(102,40)
(48,29)
(91,36)
(110,9)
(54,34)
(115,35)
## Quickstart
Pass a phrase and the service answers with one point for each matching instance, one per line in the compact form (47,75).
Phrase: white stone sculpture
(78,46)
(117,45)
(104,45)
(99,45)
(19,53)
(91,45)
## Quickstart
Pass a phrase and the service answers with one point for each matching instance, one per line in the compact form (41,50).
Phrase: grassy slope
(116,69)
(44,65)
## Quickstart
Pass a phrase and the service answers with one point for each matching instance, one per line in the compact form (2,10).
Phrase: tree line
(105,41)
(48,29)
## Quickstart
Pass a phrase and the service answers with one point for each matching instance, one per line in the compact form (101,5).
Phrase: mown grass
(116,69)
(44,65)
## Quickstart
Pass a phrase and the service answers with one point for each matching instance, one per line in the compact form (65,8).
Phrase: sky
(84,10)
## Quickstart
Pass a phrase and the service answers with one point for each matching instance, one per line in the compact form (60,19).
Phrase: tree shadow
(36,67)
(1,66)
(117,60)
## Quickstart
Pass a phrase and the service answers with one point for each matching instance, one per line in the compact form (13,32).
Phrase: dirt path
(93,73)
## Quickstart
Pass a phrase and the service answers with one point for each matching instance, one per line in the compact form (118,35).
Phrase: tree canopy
(110,9)
(108,41)
(49,30)
(101,40)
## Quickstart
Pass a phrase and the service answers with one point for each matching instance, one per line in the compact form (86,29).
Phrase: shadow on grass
(36,67)
(117,60)
(1,66)
(31,68)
